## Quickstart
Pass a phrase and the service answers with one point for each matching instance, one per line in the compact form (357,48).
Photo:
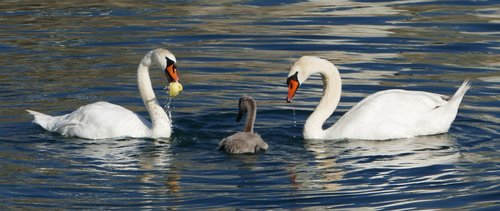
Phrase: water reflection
(124,158)
(403,153)
(333,159)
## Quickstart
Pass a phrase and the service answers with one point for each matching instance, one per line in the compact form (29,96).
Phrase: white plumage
(388,114)
(103,120)
(96,121)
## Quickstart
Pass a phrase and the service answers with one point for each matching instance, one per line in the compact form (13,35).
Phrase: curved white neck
(159,118)
(332,87)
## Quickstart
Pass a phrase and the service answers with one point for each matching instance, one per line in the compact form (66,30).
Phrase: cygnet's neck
(251,107)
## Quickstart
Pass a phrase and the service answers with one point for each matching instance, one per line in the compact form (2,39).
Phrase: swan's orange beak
(293,85)
(171,72)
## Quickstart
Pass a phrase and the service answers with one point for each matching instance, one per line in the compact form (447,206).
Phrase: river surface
(58,55)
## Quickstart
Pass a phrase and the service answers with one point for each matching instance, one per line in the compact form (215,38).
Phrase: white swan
(102,120)
(246,141)
(388,114)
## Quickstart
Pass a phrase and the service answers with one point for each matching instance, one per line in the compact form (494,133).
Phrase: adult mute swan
(246,141)
(388,114)
(102,120)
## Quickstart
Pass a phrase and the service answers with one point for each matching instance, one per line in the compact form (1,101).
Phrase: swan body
(388,114)
(246,141)
(96,121)
(103,120)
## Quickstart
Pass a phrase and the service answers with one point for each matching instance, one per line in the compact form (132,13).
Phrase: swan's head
(301,70)
(243,105)
(166,60)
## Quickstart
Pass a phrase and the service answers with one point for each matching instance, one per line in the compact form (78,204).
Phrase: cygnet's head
(243,105)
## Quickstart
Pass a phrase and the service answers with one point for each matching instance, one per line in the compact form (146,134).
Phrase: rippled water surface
(56,56)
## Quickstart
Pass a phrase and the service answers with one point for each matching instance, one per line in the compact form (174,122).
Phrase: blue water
(57,56)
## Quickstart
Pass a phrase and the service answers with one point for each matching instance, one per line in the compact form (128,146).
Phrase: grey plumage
(246,141)
(243,142)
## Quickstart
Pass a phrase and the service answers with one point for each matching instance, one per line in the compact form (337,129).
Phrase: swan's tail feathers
(41,119)
(459,94)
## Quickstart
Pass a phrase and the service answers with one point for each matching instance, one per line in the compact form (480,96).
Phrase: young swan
(246,141)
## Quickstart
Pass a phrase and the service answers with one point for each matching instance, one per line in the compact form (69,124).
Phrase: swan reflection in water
(143,158)
(334,158)
(325,169)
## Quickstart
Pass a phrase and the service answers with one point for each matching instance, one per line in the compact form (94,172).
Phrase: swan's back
(399,114)
(243,142)
(384,104)
(98,120)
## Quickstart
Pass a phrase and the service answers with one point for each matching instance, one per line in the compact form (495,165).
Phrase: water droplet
(167,108)
(294,120)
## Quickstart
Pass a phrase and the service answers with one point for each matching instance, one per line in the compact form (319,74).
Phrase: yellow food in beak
(174,89)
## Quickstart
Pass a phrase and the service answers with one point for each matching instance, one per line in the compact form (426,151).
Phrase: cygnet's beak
(240,115)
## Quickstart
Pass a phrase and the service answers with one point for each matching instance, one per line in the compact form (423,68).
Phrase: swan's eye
(170,62)
(293,77)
